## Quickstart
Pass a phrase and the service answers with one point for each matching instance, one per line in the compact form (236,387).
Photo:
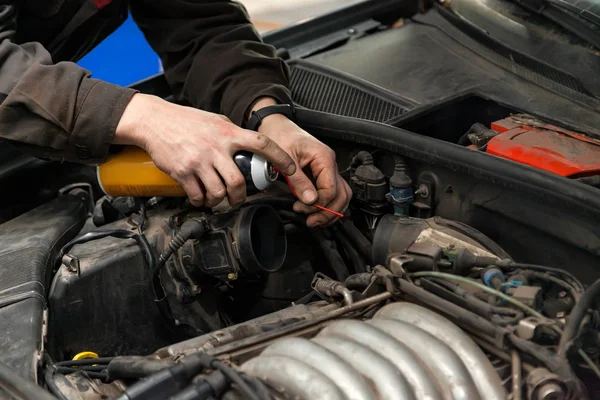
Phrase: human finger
(233,178)
(267,148)
(215,189)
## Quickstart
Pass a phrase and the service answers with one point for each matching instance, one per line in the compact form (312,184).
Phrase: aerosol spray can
(132,172)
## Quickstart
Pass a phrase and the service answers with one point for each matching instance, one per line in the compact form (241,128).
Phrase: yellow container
(132,172)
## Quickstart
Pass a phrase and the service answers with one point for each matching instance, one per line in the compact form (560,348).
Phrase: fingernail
(309,195)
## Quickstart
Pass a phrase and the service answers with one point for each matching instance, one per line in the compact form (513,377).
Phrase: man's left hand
(331,190)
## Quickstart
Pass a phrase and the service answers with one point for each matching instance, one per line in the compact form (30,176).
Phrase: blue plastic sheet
(123,58)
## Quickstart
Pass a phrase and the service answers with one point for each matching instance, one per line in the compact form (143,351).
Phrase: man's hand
(332,191)
(196,148)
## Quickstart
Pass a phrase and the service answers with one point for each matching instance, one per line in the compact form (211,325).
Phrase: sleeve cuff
(280,93)
(100,107)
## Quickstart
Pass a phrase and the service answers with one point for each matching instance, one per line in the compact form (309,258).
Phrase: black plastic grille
(321,92)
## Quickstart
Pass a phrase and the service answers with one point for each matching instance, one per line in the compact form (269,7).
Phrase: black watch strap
(257,116)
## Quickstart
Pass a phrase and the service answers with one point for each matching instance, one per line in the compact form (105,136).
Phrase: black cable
(117,233)
(355,259)
(204,387)
(576,316)
(236,378)
(94,375)
(174,379)
(573,292)
(50,382)
(143,219)
(190,228)
(501,316)
(85,361)
(516,266)
(361,243)
(135,367)
(258,385)
(331,253)
(92,368)
(358,281)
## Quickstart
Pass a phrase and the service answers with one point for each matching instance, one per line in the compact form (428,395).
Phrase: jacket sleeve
(212,56)
(53,111)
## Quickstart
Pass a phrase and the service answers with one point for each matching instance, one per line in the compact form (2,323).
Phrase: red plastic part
(545,147)
(102,3)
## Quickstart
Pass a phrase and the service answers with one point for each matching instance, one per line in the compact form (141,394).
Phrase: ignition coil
(368,185)
(401,190)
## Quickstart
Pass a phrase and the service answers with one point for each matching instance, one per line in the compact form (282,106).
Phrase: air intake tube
(248,241)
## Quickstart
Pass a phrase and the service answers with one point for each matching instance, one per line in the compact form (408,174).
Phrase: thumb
(303,187)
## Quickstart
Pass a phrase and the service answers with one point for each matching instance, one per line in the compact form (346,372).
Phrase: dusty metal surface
(446,363)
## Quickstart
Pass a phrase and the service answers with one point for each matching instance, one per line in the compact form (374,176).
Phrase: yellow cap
(85,354)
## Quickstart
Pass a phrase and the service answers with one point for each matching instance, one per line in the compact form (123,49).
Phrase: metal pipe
(501,354)
(378,298)
(448,368)
(299,312)
(516,375)
(347,294)
(293,376)
(389,383)
(421,380)
(481,369)
(348,379)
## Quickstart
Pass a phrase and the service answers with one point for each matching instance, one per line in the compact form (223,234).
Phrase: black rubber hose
(334,259)
(505,264)
(135,367)
(460,297)
(576,316)
(590,180)
(94,375)
(358,263)
(361,243)
(258,385)
(573,292)
(358,281)
(236,378)
(51,383)
(295,218)
(85,361)
(117,233)
(204,387)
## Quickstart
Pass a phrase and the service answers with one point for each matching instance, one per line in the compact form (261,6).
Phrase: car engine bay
(466,266)
(438,283)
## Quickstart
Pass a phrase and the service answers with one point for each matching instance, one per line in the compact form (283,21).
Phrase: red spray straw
(316,205)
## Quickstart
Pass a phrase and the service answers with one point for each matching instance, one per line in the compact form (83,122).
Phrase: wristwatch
(257,116)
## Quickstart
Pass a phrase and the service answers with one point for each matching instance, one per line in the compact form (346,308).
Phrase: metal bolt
(232,276)
(351,31)
(423,191)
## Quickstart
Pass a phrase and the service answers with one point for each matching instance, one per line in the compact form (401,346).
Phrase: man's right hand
(196,147)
